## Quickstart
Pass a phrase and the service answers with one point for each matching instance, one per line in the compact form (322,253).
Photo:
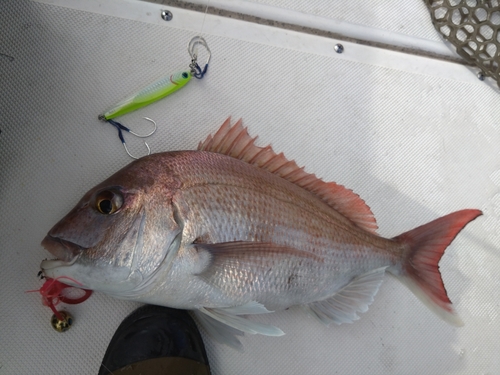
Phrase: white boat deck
(416,137)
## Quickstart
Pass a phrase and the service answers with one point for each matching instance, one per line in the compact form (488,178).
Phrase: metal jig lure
(156,91)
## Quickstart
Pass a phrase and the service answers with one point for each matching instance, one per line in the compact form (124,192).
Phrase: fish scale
(217,216)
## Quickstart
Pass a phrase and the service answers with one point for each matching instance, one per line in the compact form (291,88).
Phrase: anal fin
(353,298)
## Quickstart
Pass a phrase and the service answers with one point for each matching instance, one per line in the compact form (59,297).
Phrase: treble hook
(121,127)
(196,71)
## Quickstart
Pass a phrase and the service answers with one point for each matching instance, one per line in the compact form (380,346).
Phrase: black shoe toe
(152,332)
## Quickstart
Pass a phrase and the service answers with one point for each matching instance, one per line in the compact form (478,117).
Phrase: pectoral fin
(251,257)
(353,298)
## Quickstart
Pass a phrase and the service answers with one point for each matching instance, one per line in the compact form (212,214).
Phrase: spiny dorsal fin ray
(235,141)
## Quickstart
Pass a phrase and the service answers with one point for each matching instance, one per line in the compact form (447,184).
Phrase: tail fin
(420,270)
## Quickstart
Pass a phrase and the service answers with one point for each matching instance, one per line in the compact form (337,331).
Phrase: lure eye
(108,202)
(184,75)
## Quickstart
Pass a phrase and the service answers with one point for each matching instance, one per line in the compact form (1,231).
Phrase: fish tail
(424,248)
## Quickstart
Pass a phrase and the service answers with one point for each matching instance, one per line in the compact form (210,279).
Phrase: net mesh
(473,27)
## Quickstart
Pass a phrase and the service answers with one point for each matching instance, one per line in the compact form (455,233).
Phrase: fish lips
(66,252)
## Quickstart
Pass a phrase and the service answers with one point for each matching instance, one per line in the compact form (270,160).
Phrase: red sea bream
(234,229)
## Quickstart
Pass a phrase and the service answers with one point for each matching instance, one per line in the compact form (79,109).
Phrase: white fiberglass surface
(415,138)
(400,24)
(404,17)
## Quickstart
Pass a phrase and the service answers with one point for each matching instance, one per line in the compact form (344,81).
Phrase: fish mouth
(66,252)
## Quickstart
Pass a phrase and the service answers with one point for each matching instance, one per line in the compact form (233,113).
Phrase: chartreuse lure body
(149,94)
(156,91)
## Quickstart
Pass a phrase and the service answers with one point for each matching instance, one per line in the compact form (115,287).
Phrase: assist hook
(121,127)
(196,71)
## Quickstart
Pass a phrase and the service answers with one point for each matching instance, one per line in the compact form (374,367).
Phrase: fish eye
(184,75)
(108,202)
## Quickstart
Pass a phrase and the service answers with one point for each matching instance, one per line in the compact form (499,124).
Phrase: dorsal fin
(235,141)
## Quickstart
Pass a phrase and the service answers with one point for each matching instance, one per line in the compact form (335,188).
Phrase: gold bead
(64,324)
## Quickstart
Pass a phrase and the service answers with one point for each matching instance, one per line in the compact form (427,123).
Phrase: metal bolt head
(480,76)
(166,15)
(339,48)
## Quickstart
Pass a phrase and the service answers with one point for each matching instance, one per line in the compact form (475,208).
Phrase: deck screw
(339,48)
(166,15)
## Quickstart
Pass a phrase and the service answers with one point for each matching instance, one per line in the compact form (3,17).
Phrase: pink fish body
(234,229)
